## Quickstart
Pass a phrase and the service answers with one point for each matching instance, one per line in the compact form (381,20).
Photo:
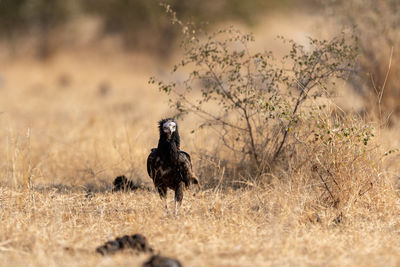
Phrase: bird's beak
(169,131)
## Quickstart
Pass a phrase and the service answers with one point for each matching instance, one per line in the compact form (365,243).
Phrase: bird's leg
(163,195)
(178,196)
(177,204)
(166,204)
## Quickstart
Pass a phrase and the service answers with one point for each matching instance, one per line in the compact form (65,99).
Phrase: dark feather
(167,173)
(186,155)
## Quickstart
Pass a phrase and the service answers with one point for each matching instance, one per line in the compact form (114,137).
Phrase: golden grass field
(70,125)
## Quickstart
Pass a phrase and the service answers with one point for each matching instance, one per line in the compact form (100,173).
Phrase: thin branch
(198,111)
(298,101)
(250,131)
(326,187)
(387,75)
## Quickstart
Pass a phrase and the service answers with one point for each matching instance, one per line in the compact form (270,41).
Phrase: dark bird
(160,261)
(168,166)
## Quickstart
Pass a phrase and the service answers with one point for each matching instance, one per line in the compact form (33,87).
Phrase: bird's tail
(189,178)
(194,180)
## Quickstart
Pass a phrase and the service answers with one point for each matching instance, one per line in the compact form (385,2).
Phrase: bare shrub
(338,159)
(252,100)
(276,120)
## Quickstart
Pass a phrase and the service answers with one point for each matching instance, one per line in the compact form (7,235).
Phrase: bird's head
(168,127)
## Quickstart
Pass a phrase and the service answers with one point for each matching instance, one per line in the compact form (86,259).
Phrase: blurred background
(74,92)
(50,25)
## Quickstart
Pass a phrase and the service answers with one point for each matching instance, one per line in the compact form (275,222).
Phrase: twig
(326,186)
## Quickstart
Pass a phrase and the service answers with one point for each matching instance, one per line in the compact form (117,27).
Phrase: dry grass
(64,136)
(254,227)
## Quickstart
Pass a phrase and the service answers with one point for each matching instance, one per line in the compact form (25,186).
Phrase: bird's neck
(169,150)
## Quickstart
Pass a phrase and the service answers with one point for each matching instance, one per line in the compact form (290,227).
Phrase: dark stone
(160,261)
(121,183)
(136,242)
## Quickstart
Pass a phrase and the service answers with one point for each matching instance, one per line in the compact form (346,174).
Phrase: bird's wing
(185,156)
(151,161)
(185,166)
